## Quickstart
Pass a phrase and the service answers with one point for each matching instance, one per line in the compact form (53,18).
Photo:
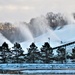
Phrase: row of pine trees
(34,55)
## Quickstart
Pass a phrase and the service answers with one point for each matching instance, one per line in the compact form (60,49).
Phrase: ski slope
(66,34)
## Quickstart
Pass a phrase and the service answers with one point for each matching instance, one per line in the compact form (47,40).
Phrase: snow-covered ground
(66,35)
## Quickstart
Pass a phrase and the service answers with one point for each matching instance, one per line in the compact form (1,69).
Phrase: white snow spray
(24,31)
(4,39)
(40,25)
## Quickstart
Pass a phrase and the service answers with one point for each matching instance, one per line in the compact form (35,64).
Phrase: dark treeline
(34,55)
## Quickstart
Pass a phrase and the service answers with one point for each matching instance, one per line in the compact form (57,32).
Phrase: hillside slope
(66,34)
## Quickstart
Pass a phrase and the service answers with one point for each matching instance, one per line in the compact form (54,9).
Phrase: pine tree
(17,53)
(5,52)
(33,54)
(1,55)
(73,55)
(61,56)
(46,53)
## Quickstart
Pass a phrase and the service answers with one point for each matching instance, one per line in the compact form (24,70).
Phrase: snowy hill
(39,41)
(66,34)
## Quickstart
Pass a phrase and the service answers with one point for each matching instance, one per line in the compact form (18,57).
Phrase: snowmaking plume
(3,39)
(41,24)
(24,31)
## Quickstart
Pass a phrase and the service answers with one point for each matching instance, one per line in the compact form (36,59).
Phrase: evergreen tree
(21,57)
(46,53)
(33,54)
(1,55)
(61,56)
(5,52)
(17,53)
(73,55)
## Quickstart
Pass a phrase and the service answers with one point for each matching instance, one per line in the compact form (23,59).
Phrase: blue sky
(24,10)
